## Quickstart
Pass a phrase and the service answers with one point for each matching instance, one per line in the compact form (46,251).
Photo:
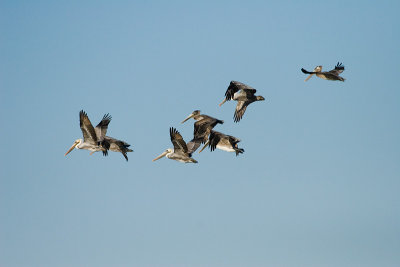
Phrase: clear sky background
(318,184)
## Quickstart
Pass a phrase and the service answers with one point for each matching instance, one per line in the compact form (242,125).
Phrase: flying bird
(332,75)
(180,151)
(202,128)
(117,146)
(244,95)
(95,139)
(223,142)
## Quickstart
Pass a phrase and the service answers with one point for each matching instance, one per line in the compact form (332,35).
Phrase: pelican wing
(215,137)
(249,92)
(122,147)
(339,68)
(234,87)
(101,128)
(177,141)
(89,134)
(124,154)
(306,71)
(106,145)
(233,140)
(240,110)
(201,131)
(202,128)
(194,144)
(316,70)
(118,146)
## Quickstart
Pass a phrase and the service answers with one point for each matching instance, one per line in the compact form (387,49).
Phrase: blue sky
(318,182)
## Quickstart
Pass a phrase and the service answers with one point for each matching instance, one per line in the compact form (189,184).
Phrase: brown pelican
(180,151)
(202,127)
(332,75)
(95,139)
(223,142)
(117,146)
(243,94)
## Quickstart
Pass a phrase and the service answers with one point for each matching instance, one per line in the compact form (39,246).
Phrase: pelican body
(80,144)
(117,146)
(202,128)
(244,95)
(180,152)
(224,142)
(95,139)
(332,75)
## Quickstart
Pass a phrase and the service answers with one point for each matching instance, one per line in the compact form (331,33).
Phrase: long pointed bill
(190,116)
(71,148)
(205,145)
(222,102)
(162,155)
(309,76)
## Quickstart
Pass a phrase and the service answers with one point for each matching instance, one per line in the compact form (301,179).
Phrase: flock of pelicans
(95,139)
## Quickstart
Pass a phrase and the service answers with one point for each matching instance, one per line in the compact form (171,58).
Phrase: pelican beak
(71,148)
(190,116)
(223,101)
(206,144)
(316,69)
(309,76)
(162,155)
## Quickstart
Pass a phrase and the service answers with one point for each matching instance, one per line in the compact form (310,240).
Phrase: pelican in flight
(332,75)
(243,94)
(95,139)
(117,146)
(180,151)
(223,142)
(202,128)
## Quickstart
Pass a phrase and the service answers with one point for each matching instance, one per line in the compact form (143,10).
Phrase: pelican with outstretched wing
(117,146)
(180,151)
(224,142)
(332,75)
(244,95)
(95,139)
(202,128)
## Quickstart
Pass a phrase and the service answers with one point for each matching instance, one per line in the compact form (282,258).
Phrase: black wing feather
(240,110)
(214,140)
(234,87)
(101,128)
(306,72)
(177,140)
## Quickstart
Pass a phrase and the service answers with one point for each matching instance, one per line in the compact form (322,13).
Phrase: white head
(166,153)
(76,144)
(318,69)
